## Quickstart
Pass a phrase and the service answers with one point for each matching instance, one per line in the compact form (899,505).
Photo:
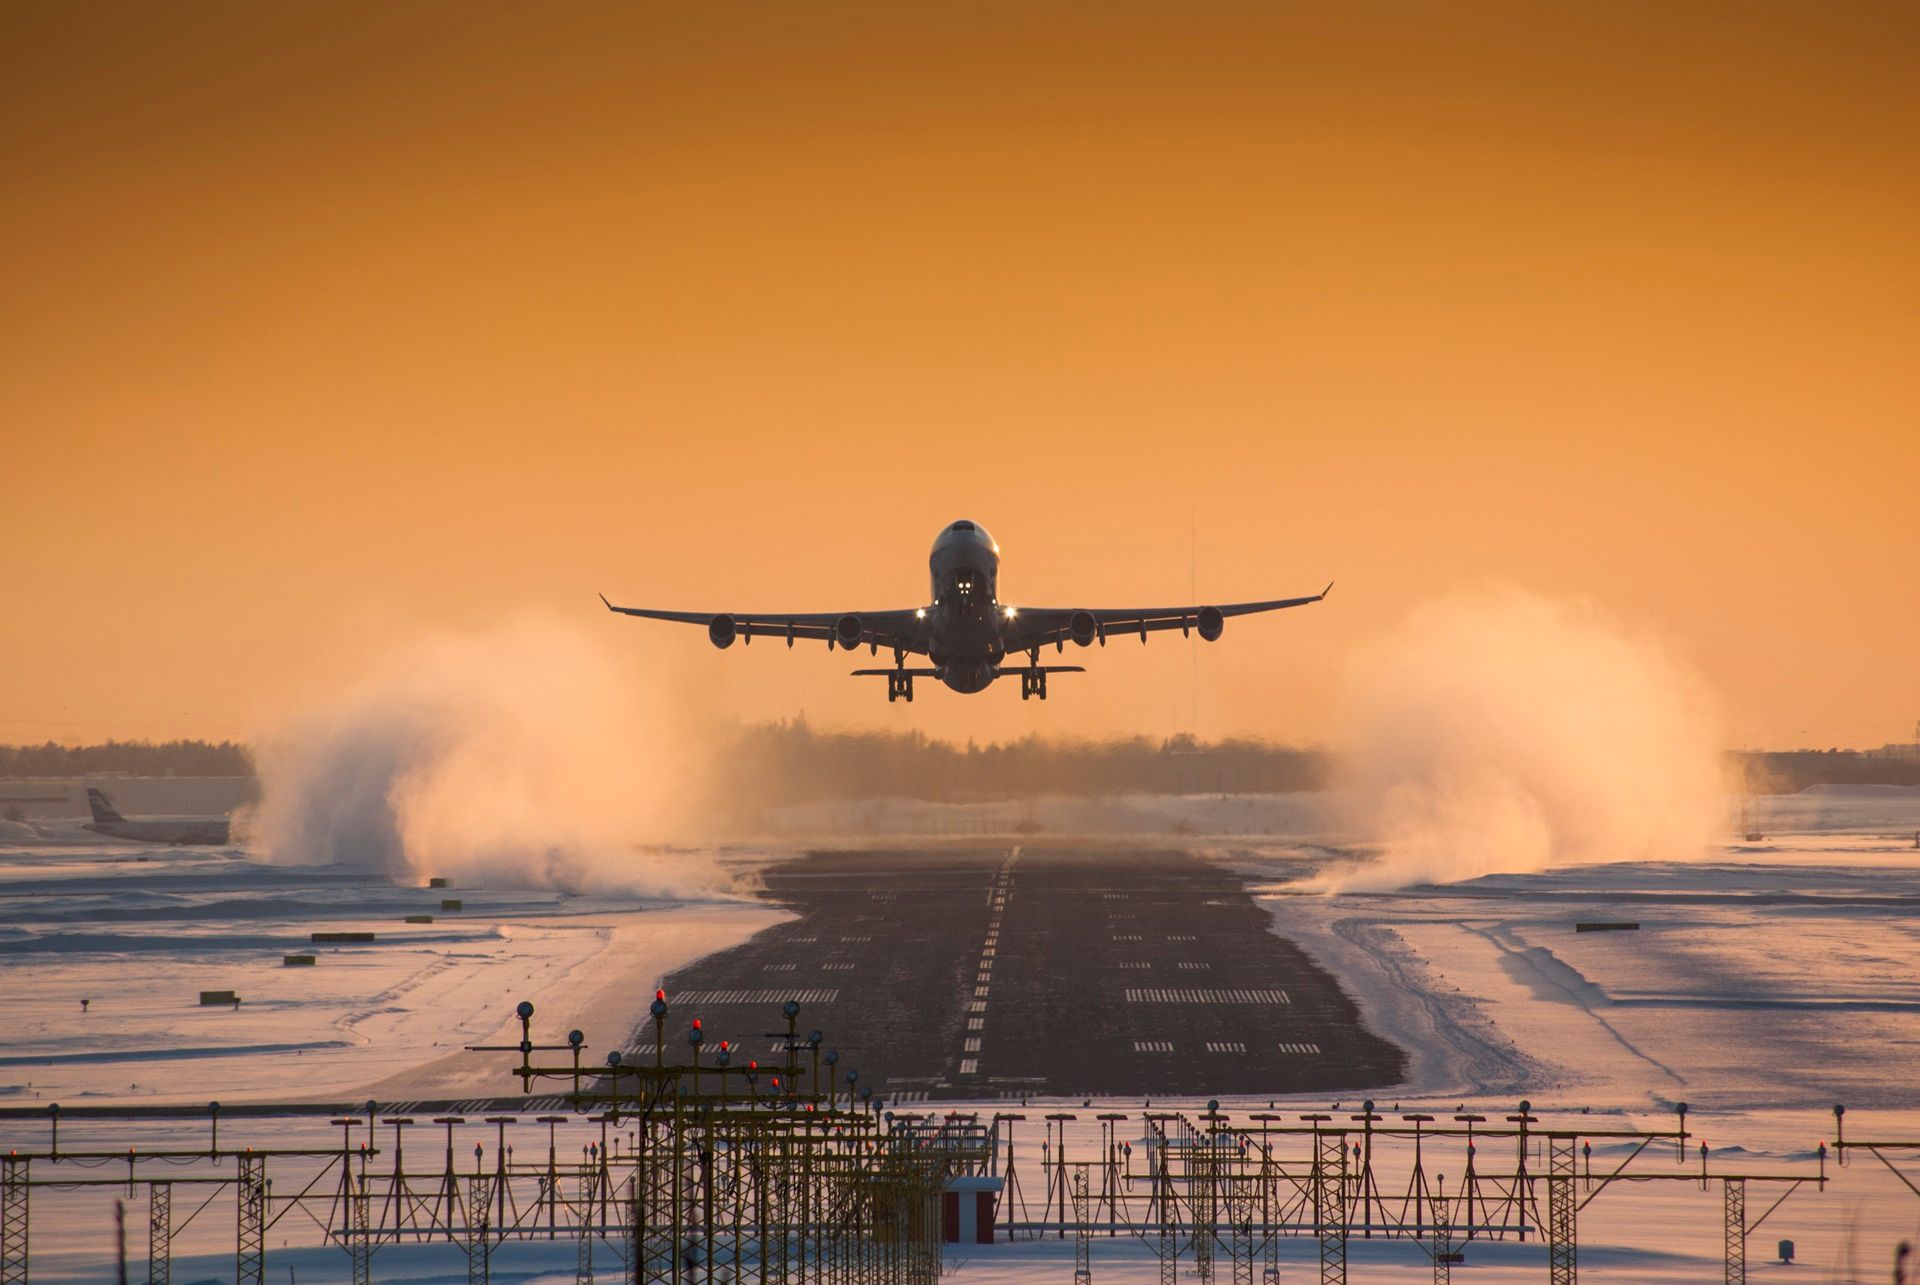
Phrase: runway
(1002,973)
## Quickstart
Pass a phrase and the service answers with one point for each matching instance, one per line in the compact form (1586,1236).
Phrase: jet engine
(1082,628)
(721,630)
(847,631)
(1210,622)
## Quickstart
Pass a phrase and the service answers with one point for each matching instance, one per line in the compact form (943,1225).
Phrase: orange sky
(321,324)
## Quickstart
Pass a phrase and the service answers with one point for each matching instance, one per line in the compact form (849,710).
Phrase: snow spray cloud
(1500,731)
(522,757)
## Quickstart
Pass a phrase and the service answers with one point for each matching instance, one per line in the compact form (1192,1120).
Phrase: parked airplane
(108,821)
(965,632)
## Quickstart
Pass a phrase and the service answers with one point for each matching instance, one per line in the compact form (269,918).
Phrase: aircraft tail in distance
(103,809)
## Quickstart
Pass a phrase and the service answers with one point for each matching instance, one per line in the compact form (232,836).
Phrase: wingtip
(1329,589)
(603,599)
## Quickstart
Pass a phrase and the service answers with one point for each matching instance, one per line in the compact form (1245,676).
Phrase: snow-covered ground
(106,947)
(1764,984)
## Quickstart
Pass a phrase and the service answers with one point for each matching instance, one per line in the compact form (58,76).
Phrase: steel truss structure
(1206,1183)
(714,1173)
(689,1173)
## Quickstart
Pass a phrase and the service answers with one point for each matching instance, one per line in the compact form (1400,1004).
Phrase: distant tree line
(792,762)
(135,758)
(1790,771)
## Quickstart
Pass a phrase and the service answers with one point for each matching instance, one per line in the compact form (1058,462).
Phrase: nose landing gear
(900,687)
(1033,682)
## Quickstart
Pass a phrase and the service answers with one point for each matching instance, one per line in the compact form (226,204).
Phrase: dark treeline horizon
(792,761)
(133,758)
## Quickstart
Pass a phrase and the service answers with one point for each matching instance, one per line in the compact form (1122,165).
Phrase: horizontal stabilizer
(917,673)
(1009,670)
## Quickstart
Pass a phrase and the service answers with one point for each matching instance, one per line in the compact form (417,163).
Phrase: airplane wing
(895,630)
(1032,627)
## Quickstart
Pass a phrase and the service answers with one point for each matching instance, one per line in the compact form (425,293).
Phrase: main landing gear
(1033,682)
(899,687)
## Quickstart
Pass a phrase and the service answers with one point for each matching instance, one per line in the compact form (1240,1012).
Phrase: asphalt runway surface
(1002,973)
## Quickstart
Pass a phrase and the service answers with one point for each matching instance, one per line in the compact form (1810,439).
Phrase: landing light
(1012,612)
(919,613)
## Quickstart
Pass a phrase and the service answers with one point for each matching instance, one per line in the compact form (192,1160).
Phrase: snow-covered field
(1764,984)
(106,947)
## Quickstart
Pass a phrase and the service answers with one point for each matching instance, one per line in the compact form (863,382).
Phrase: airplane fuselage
(187,831)
(965,617)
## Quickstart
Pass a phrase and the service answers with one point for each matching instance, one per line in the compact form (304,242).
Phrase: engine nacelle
(1210,622)
(847,631)
(721,630)
(1082,628)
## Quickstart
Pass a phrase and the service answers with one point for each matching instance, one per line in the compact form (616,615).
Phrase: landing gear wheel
(899,687)
(1033,682)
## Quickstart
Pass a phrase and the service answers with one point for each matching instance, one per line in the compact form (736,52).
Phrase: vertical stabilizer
(103,809)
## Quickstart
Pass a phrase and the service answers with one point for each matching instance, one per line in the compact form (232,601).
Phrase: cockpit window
(963,525)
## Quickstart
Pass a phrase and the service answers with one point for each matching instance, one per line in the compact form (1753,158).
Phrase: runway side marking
(1153,1046)
(856,939)
(1135,964)
(1311,1049)
(1193,967)
(839,967)
(825,995)
(1158,995)
(1181,937)
(1126,937)
(1225,1047)
(778,968)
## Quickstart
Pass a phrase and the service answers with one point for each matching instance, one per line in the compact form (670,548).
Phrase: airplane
(965,632)
(108,821)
